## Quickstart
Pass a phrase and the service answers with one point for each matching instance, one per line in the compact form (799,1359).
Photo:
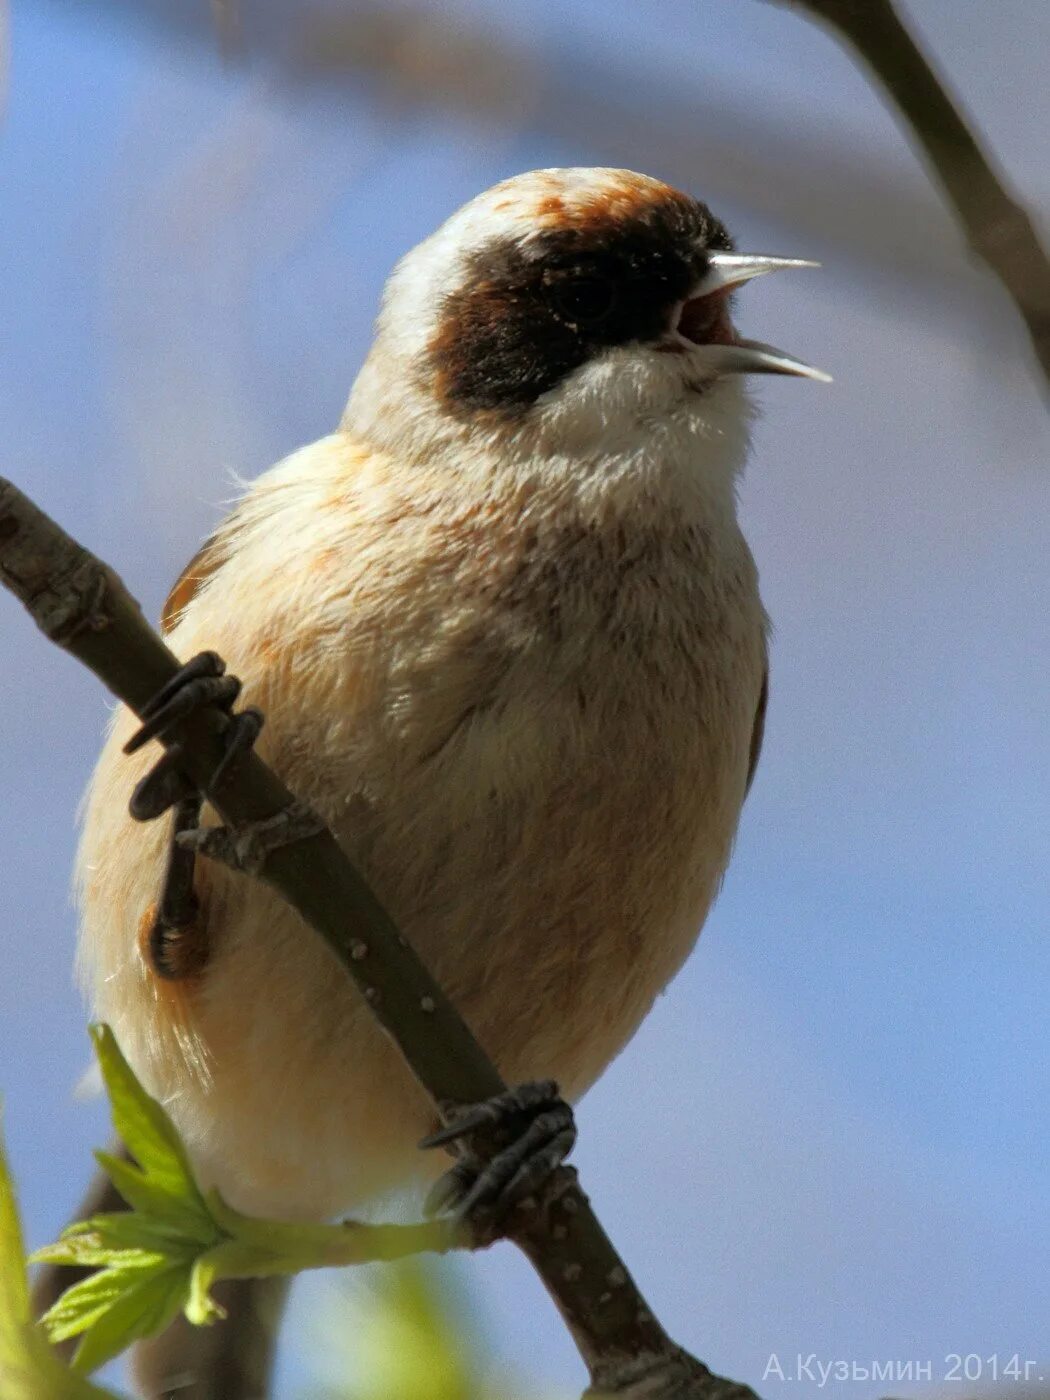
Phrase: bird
(507,637)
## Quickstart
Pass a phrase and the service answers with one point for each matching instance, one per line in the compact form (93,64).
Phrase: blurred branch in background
(998,229)
(717,140)
(226,16)
(400,1332)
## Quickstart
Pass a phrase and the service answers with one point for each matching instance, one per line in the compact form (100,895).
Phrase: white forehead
(519,208)
(543,199)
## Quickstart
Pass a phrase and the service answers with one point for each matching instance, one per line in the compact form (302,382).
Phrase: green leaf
(402,1340)
(201,1308)
(144,1257)
(144,1127)
(90,1252)
(419,1351)
(14,1292)
(122,1240)
(166,1253)
(184,1212)
(141,1310)
(82,1305)
(29,1369)
(126,1229)
(234,1258)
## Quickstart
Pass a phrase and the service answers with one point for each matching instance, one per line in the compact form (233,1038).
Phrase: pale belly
(552,859)
(551,925)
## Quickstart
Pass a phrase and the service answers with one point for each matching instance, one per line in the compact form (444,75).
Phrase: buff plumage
(516,660)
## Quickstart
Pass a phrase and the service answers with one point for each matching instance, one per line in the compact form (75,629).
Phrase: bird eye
(584,301)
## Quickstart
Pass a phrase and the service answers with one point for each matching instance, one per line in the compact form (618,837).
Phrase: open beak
(704,319)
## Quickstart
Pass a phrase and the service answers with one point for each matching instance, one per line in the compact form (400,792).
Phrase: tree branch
(233,1358)
(82,606)
(998,228)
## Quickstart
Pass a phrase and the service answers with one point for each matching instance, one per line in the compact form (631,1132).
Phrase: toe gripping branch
(174,941)
(507,1149)
(202,681)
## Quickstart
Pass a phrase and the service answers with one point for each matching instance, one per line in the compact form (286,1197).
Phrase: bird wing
(211,556)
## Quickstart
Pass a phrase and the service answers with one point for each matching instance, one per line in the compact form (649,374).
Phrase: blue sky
(831,1136)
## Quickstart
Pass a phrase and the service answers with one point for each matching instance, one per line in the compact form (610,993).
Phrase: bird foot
(508,1147)
(172,938)
(245,847)
(202,681)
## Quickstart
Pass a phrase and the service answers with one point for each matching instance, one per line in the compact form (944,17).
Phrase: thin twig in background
(226,16)
(82,606)
(998,229)
(416,56)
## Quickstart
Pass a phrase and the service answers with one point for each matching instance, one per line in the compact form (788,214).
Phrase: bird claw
(202,681)
(449,1189)
(164,786)
(527,1133)
(499,1111)
(173,942)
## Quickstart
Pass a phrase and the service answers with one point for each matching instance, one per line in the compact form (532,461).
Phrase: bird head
(561,308)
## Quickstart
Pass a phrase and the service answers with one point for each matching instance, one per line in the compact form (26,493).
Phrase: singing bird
(508,641)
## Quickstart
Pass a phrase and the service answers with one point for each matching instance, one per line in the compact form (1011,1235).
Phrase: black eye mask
(530,312)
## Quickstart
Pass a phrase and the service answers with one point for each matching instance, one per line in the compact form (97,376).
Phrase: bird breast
(531,731)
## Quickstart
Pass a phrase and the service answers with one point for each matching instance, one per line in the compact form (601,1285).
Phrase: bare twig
(233,1358)
(81,605)
(998,229)
(226,16)
(712,140)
